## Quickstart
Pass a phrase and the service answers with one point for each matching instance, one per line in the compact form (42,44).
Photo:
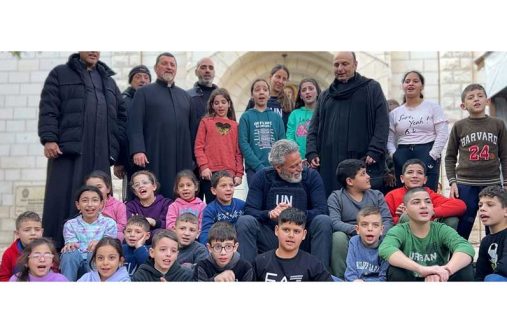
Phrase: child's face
(491,212)
(40,260)
(186,189)
(222,252)
(164,254)
(361,181)
(143,187)
(187,232)
(308,92)
(290,236)
(107,261)
(260,93)
(412,85)
(99,183)
(89,205)
(420,208)
(414,176)
(220,106)
(28,231)
(369,228)
(475,102)
(224,191)
(133,233)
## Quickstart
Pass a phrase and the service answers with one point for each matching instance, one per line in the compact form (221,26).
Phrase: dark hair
(151,176)
(216,176)
(367,211)
(222,231)
(163,233)
(88,188)
(231,114)
(27,216)
(421,77)
(258,80)
(411,192)
(299,101)
(495,191)
(348,169)
(106,240)
(104,177)
(187,173)
(292,215)
(22,262)
(187,217)
(392,101)
(139,221)
(165,54)
(282,97)
(413,161)
(471,87)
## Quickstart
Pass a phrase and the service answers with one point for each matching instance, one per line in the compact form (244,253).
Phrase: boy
(481,144)
(288,263)
(187,231)
(345,203)
(137,232)
(224,207)
(424,251)
(363,261)
(28,228)
(447,210)
(162,265)
(223,263)
(491,265)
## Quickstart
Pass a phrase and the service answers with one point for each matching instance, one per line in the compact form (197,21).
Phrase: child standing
(259,128)
(363,261)
(36,261)
(162,265)
(113,207)
(491,265)
(137,232)
(187,231)
(225,207)
(81,234)
(107,263)
(299,119)
(223,263)
(421,250)
(186,187)
(478,145)
(288,263)
(216,143)
(28,228)
(147,203)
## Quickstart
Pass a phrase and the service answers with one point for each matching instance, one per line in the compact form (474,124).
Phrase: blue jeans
(73,266)
(255,237)
(495,278)
(421,151)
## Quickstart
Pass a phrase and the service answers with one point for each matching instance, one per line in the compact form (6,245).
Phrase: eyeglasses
(137,185)
(217,248)
(38,256)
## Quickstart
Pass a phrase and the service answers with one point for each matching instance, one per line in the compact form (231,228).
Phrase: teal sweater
(297,127)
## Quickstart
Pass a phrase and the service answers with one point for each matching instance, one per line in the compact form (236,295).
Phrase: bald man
(205,72)
(351,121)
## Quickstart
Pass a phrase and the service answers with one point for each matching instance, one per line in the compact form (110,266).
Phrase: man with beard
(350,122)
(161,126)
(286,184)
(201,91)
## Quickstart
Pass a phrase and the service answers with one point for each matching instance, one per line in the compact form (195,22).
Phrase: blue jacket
(364,263)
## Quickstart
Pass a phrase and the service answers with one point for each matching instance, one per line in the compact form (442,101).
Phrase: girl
(186,187)
(81,234)
(36,261)
(259,128)
(299,119)
(148,204)
(216,144)
(113,207)
(106,263)
(278,100)
(417,129)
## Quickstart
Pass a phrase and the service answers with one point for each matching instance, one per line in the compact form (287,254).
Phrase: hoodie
(148,273)
(121,275)
(180,206)
(157,211)
(207,269)
(116,210)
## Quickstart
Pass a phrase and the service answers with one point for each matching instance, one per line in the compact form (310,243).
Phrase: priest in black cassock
(162,126)
(82,124)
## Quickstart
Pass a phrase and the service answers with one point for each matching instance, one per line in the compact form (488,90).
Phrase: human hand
(315,162)
(140,159)
(454,193)
(119,171)
(390,180)
(358,280)
(237,181)
(52,150)
(369,160)
(151,221)
(432,278)
(91,245)
(162,279)
(206,174)
(141,241)
(441,271)
(225,276)
(275,212)
(400,209)
(69,247)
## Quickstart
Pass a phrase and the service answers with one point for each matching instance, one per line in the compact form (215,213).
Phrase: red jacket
(9,259)
(443,207)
